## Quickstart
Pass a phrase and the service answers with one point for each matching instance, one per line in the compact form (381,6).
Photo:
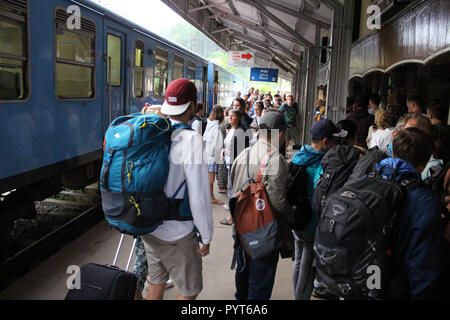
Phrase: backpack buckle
(323,201)
(345,289)
(405,182)
(387,227)
(348,194)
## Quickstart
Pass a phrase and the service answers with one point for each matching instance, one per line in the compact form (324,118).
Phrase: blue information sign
(261,74)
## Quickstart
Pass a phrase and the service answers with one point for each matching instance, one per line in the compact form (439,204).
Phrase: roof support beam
(293,12)
(220,30)
(233,8)
(332,4)
(282,47)
(206,7)
(283,25)
(252,26)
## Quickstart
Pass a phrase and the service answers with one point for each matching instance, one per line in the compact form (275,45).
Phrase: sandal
(225,222)
(217,201)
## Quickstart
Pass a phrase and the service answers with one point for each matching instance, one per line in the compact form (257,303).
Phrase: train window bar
(160,78)
(178,67)
(75,54)
(139,75)
(14,77)
(191,70)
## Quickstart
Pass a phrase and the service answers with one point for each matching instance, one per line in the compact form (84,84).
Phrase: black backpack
(354,234)
(366,164)
(297,197)
(436,183)
(337,164)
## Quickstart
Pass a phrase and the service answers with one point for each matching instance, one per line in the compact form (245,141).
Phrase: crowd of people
(415,141)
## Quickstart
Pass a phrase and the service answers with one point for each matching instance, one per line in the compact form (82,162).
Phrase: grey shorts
(178,259)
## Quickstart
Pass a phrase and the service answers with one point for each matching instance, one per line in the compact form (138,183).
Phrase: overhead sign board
(243,59)
(262,74)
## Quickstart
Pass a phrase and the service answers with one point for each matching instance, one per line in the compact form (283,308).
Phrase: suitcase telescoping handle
(118,249)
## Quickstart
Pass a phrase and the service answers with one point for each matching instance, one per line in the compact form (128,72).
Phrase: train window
(191,71)
(114,63)
(161,66)
(13,50)
(75,59)
(178,67)
(139,70)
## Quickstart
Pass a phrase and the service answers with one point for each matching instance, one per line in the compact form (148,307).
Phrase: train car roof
(88,4)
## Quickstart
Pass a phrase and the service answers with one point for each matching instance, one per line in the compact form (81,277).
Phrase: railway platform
(48,280)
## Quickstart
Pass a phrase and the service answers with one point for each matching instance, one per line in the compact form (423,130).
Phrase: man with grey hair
(408,120)
(255,277)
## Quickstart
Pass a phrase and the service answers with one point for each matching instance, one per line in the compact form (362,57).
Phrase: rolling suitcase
(105,282)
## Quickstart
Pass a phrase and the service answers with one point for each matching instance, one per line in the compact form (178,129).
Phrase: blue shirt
(310,157)
(417,233)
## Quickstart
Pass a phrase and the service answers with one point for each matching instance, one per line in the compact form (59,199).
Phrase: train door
(115,71)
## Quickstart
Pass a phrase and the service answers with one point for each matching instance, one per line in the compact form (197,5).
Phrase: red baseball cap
(179,95)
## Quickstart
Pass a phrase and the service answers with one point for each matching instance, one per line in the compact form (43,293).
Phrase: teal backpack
(134,173)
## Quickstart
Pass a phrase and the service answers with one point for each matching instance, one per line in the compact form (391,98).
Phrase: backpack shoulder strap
(411,183)
(248,171)
(262,166)
(179,126)
(178,190)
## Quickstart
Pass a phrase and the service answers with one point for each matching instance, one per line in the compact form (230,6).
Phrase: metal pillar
(341,40)
(300,80)
(313,55)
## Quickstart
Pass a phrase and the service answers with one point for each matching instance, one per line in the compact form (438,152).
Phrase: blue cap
(325,128)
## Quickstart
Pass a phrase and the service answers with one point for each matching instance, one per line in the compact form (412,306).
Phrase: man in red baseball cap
(173,249)
(180,95)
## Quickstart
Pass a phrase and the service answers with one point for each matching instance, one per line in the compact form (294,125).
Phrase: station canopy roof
(277,30)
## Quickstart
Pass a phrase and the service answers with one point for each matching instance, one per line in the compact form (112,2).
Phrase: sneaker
(226,207)
(170,283)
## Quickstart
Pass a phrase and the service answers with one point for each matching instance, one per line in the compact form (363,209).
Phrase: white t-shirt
(256,121)
(227,145)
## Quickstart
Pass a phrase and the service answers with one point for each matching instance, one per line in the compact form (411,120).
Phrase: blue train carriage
(223,86)
(61,87)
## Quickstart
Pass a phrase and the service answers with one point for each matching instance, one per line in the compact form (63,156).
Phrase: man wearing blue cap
(324,134)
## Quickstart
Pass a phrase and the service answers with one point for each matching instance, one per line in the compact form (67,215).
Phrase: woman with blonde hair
(379,125)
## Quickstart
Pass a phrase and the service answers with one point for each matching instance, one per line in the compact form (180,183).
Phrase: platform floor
(48,280)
